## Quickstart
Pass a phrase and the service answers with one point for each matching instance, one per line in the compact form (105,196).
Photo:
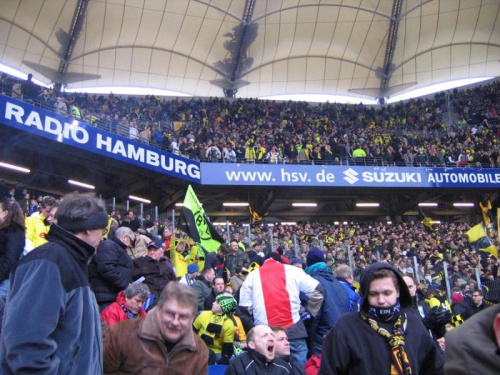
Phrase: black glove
(436,318)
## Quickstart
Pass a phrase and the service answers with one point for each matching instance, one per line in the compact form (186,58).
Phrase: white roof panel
(259,47)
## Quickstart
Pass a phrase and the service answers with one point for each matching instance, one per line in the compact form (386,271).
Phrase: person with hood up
(335,302)
(383,337)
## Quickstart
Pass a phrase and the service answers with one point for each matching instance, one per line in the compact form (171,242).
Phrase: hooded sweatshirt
(353,347)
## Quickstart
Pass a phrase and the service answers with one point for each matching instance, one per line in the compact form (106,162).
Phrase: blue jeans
(298,350)
(4,288)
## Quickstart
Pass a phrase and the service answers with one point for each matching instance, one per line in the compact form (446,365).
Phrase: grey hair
(133,290)
(343,271)
(123,231)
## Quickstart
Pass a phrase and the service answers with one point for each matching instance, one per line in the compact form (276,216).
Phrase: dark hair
(79,212)
(217,277)
(225,249)
(478,291)
(183,294)
(14,213)
(384,273)
(48,201)
(278,329)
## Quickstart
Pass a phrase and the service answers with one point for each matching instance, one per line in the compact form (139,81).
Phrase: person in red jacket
(128,304)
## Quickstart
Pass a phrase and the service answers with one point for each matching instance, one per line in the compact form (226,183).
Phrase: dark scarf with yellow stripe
(396,342)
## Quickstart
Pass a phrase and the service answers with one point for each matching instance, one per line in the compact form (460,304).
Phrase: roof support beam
(243,36)
(391,45)
(74,32)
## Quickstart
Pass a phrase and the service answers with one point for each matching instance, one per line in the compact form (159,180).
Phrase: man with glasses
(51,322)
(163,342)
(111,268)
(476,305)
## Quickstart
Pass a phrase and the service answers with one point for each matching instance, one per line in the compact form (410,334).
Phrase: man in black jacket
(260,357)
(282,350)
(111,268)
(155,268)
(384,337)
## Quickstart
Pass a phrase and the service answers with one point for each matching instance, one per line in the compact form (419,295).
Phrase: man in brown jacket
(161,343)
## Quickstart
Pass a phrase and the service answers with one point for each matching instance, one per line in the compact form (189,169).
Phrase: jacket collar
(257,357)
(150,330)
(119,242)
(79,249)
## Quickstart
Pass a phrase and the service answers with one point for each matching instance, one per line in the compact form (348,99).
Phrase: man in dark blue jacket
(335,302)
(51,322)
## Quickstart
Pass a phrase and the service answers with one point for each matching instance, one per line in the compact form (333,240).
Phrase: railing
(123,130)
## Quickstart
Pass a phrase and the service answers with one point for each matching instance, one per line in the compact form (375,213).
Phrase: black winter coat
(11,248)
(254,363)
(157,273)
(110,270)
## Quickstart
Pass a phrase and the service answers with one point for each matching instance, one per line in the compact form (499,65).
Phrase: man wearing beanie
(193,271)
(384,337)
(335,299)
(217,329)
(51,310)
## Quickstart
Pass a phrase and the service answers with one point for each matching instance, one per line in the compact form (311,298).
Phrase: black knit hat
(315,255)
(95,220)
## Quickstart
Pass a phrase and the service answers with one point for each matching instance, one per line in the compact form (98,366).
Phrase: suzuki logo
(350,176)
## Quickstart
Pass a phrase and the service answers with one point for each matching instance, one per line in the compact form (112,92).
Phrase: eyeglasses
(171,315)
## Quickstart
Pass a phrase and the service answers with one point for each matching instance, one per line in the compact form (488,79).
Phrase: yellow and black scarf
(396,341)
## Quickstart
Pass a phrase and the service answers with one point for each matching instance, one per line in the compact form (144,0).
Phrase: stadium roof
(363,48)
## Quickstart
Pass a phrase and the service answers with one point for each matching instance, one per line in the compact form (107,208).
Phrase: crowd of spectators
(354,244)
(397,244)
(326,251)
(417,132)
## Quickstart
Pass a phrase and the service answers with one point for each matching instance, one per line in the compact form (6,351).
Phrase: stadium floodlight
(235,204)
(14,167)
(463,204)
(81,184)
(298,204)
(288,223)
(428,204)
(367,204)
(139,199)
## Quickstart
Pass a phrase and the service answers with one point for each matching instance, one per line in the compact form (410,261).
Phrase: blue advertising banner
(347,176)
(65,130)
